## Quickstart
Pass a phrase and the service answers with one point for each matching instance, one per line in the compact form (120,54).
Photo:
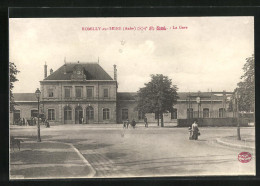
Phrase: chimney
(45,70)
(64,69)
(51,71)
(115,73)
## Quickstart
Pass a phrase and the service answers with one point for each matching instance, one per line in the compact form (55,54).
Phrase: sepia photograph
(128,97)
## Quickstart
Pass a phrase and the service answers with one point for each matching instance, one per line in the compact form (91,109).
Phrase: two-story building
(79,93)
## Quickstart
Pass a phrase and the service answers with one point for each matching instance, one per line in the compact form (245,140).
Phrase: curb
(218,140)
(92,170)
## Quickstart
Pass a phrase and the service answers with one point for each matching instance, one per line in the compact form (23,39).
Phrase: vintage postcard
(131,97)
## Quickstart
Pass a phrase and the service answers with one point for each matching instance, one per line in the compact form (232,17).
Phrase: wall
(132,112)
(25,110)
(214,122)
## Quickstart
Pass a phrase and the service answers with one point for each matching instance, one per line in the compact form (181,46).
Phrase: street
(113,151)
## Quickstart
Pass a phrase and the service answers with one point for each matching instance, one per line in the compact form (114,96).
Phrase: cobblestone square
(111,151)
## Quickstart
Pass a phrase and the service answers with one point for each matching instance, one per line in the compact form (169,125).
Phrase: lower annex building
(79,93)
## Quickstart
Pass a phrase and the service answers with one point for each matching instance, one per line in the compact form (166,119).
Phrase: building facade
(83,93)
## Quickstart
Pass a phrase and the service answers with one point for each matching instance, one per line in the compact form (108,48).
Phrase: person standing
(82,120)
(133,123)
(195,130)
(145,122)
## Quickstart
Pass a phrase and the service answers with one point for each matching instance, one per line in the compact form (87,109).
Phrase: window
(16,115)
(140,115)
(105,92)
(221,112)
(90,92)
(51,114)
(67,92)
(34,113)
(78,92)
(50,92)
(156,115)
(189,113)
(124,114)
(174,114)
(67,113)
(205,113)
(90,113)
(105,113)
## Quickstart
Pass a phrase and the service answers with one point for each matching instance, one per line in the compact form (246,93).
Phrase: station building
(84,93)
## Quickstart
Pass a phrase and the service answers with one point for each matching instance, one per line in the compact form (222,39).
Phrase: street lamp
(38,94)
(237,95)
(198,101)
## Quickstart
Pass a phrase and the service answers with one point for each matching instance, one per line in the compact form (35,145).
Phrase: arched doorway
(89,114)
(78,115)
(67,115)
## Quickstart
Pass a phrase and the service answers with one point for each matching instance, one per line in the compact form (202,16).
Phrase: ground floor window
(17,115)
(105,113)
(34,113)
(174,114)
(90,113)
(189,113)
(156,115)
(205,113)
(124,114)
(67,113)
(140,115)
(51,114)
(221,112)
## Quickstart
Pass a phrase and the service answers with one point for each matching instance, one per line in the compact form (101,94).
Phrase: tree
(246,88)
(158,96)
(12,78)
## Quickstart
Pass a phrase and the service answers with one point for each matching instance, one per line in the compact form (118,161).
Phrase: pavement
(101,151)
(48,160)
(247,142)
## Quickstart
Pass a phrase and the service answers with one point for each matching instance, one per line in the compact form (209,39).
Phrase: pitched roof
(202,95)
(24,97)
(182,96)
(93,71)
(126,96)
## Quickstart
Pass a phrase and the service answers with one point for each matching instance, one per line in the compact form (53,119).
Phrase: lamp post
(198,101)
(38,94)
(238,124)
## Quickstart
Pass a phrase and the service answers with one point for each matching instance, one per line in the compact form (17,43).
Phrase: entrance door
(89,114)
(16,116)
(78,115)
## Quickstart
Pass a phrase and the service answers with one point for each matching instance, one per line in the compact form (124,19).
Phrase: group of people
(127,123)
(194,131)
(32,121)
(133,123)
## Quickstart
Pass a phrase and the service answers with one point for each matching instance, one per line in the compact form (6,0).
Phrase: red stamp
(244,157)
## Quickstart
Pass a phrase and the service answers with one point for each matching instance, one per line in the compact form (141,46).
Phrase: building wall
(98,101)
(25,110)
(132,112)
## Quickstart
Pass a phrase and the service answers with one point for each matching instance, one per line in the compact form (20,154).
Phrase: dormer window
(78,73)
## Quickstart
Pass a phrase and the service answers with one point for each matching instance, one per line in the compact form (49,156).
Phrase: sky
(208,55)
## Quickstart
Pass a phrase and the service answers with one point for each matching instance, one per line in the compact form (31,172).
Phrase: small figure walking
(195,130)
(133,123)
(82,120)
(125,123)
(145,122)
(47,125)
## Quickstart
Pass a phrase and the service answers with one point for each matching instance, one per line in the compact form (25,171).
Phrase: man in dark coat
(133,123)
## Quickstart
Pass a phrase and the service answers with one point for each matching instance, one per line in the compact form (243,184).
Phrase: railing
(211,114)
